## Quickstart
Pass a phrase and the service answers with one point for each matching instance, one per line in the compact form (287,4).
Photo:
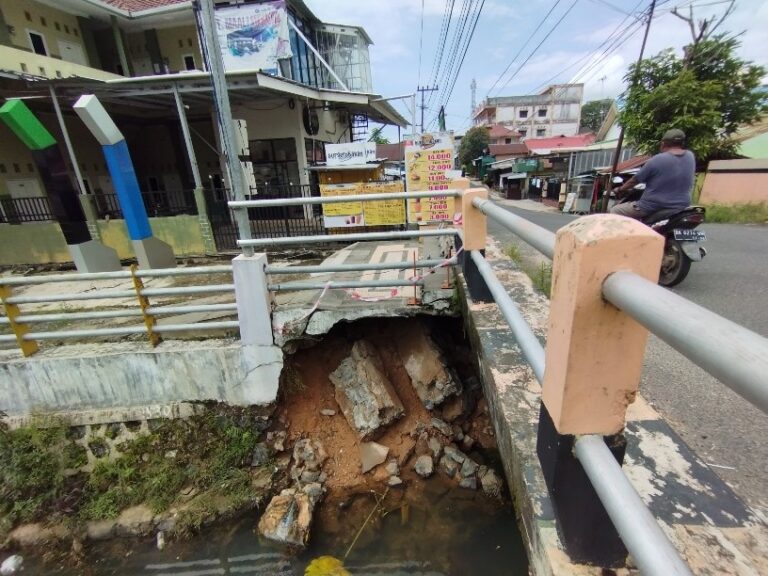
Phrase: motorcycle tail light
(694,219)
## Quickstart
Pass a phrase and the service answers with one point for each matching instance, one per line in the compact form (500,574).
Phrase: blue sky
(503,28)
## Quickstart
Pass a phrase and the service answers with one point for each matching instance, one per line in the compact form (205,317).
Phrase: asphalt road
(724,430)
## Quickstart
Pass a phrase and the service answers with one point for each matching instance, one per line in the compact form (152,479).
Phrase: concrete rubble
(364,393)
(288,517)
(432,379)
(371,455)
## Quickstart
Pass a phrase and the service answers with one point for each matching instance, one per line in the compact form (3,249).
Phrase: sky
(402,59)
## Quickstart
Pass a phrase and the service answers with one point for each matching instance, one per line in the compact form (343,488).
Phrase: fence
(157,203)
(27,339)
(27,209)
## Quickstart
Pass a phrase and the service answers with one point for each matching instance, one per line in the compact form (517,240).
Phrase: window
(30,168)
(57,26)
(16,168)
(542,113)
(189,42)
(28,16)
(181,43)
(23,67)
(523,133)
(76,32)
(42,21)
(523,113)
(3,169)
(189,62)
(507,140)
(541,132)
(42,71)
(274,162)
(58,74)
(38,43)
(66,28)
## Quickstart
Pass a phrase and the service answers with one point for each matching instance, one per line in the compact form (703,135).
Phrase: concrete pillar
(117,33)
(475,232)
(594,358)
(253,299)
(206,230)
(595,351)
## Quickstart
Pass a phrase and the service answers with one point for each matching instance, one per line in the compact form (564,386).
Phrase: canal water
(430,529)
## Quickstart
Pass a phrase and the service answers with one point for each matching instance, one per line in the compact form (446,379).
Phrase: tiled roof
(139,5)
(560,142)
(517,149)
(499,131)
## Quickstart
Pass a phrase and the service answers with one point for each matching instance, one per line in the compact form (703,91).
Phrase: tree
(473,144)
(709,94)
(593,113)
(377,137)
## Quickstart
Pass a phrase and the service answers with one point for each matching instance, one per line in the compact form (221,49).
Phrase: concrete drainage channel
(379,454)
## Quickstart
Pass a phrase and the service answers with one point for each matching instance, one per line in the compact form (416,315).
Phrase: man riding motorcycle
(668,179)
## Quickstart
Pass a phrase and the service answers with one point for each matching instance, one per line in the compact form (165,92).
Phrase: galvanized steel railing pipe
(358,267)
(734,355)
(272,202)
(286,286)
(117,275)
(127,330)
(526,339)
(540,238)
(362,237)
(654,553)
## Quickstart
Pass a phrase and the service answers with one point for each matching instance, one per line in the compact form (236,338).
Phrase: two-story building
(143,60)
(556,111)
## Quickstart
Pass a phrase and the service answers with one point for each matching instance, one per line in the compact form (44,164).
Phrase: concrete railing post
(91,215)
(594,359)
(253,299)
(475,232)
(206,230)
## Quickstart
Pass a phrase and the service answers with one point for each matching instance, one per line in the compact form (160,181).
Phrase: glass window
(274,162)
(38,43)
(541,132)
(542,113)
(523,113)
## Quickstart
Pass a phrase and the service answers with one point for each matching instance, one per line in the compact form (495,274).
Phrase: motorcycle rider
(668,179)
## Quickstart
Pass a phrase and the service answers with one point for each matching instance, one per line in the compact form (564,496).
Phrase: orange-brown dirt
(313,392)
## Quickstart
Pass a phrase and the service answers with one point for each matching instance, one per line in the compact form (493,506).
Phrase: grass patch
(540,273)
(514,253)
(753,213)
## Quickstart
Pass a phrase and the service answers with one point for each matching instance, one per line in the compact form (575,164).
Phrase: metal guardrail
(20,322)
(736,356)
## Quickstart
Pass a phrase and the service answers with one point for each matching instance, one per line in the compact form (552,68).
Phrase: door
(72,52)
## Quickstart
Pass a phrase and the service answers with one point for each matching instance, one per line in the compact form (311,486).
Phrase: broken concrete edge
(295,324)
(711,527)
(103,381)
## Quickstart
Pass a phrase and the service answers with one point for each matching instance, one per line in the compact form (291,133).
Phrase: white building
(556,111)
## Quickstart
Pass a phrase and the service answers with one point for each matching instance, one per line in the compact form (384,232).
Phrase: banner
(350,153)
(355,214)
(253,36)
(429,166)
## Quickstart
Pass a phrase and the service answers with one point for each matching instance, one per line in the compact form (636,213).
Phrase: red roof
(577,141)
(632,163)
(517,149)
(139,5)
(499,131)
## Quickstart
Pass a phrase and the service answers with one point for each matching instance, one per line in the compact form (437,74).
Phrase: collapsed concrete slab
(425,364)
(364,393)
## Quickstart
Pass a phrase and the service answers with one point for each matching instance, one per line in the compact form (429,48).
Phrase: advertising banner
(355,214)
(350,153)
(428,167)
(253,36)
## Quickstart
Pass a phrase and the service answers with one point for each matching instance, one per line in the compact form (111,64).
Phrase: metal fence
(28,209)
(22,324)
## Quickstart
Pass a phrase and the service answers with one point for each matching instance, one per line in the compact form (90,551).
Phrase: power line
(421,41)
(541,23)
(571,7)
(444,28)
(456,43)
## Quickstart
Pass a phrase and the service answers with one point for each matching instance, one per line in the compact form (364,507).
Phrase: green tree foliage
(593,113)
(473,144)
(377,137)
(708,94)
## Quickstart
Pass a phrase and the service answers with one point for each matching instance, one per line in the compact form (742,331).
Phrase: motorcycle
(682,241)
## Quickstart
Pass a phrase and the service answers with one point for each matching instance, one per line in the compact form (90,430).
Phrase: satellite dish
(311,121)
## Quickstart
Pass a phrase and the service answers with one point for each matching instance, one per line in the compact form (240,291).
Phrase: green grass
(540,275)
(753,213)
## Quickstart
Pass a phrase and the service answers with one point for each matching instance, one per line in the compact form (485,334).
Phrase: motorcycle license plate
(688,235)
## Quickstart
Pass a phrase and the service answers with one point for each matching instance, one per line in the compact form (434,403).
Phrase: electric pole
(473,88)
(422,90)
(617,154)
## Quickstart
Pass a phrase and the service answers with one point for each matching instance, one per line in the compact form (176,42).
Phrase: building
(142,59)
(556,111)
(562,143)
(498,134)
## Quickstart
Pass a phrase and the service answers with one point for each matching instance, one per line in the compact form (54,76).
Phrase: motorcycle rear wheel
(675,265)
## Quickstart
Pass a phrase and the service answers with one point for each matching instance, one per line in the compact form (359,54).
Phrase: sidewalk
(530,205)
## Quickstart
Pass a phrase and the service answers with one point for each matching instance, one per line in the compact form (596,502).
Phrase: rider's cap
(674,135)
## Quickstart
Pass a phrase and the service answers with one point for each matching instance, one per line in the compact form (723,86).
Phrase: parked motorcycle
(682,240)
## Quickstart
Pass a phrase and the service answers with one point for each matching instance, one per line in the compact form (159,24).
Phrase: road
(725,431)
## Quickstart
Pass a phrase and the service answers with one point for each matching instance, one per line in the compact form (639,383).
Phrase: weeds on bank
(753,213)
(207,456)
(540,275)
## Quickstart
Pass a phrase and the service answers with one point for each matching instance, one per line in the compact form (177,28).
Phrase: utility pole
(473,88)
(422,90)
(617,154)
(226,124)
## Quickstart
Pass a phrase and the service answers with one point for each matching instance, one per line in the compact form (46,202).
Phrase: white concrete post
(253,299)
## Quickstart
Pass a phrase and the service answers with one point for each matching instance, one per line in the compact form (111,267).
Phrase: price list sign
(428,167)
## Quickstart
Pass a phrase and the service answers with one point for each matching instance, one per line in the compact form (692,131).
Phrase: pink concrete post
(595,351)
(474,222)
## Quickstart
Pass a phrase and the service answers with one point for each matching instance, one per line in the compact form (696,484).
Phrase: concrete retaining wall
(130,380)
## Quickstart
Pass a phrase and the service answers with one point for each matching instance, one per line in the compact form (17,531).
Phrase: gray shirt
(668,181)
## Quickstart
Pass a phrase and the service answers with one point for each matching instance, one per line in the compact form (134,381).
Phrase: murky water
(444,530)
